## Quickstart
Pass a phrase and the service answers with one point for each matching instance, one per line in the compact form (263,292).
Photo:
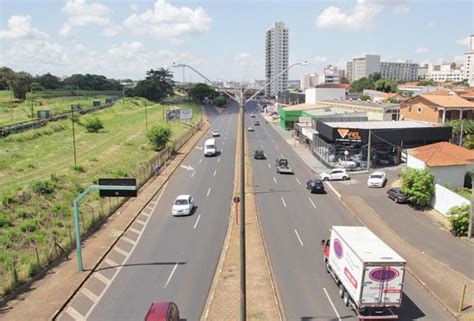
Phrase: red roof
(443,154)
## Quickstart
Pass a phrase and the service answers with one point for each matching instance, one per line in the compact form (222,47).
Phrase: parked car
(347,164)
(315,186)
(215,133)
(256,123)
(259,154)
(252,116)
(250,129)
(335,174)
(163,311)
(183,205)
(397,195)
(377,179)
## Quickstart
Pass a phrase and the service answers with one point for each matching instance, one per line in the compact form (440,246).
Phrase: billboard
(186,113)
(172,114)
(178,113)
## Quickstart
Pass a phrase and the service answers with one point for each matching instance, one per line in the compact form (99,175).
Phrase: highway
(294,222)
(174,258)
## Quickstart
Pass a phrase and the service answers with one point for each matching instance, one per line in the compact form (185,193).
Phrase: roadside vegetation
(418,185)
(40,180)
(459,217)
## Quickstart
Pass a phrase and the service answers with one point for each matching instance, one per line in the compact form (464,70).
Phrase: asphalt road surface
(294,222)
(176,257)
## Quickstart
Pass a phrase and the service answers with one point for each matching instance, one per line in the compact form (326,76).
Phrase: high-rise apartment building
(333,75)
(309,81)
(276,58)
(469,61)
(349,71)
(364,66)
(399,71)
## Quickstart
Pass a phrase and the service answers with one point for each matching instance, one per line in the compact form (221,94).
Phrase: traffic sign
(117,192)
(346,152)
(236,199)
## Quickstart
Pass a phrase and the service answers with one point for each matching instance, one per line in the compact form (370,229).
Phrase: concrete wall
(445,199)
(413,162)
(310,95)
(314,95)
(451,175)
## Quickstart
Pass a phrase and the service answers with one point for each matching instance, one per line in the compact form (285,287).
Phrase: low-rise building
(416,90)
(333,75)
(445,72)
(326,91)
(309,81)
(436,109)
(375,110)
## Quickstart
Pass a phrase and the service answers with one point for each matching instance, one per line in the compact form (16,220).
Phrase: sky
(224,40)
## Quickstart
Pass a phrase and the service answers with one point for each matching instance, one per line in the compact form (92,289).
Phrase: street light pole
(73,135)
(243,287)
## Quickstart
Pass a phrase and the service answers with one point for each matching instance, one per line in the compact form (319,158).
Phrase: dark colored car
(259,154)
(256,123)
(397,195)
(163,311)
(315,186)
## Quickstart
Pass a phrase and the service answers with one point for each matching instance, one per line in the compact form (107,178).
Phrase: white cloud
(361,18)
(401,9)
(82,14)
(112,31)
(19,27)
(134,7)
(431,24)
(168,57)
(421,50)
(463,41)
(318,59)
(243,58)
(167,21)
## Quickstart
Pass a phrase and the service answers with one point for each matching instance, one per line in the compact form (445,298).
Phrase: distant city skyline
(224,39)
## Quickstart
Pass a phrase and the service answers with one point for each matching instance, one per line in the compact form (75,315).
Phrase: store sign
(347,135)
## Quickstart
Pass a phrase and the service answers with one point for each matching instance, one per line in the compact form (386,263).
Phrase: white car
(252,116)
(347,164)
(215,133)
(377,179)
(183,205)
(250,129)
(334,174)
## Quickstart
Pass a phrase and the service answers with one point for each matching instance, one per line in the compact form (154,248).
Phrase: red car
(163,311)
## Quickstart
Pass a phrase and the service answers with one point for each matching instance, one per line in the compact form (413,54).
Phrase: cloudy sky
(223,39)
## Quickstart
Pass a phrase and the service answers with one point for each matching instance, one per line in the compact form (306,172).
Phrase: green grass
(39,178)
(15,111)
(464,192)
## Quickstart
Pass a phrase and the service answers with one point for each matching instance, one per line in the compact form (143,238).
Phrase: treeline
(22,82)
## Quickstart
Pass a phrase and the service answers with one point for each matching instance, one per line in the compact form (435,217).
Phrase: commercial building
(445,72)
(422,71)
(469,61)
(341,141)
(436,109)
(309,81)
(326,91)
(333,75)
(415,90)
(364,66)
(399,71)
(276,58)
(375,111)
(349,71)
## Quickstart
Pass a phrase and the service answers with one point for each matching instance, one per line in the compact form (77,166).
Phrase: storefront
(347,143)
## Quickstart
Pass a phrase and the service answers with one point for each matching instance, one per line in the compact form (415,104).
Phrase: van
(210,147)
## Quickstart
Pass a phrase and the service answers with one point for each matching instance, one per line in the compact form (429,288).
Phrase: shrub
(29,225)
(220,101)
(43,187)
(418,185)
(158,136)
(93,125)
(5,220)
(79,169)
(459,217)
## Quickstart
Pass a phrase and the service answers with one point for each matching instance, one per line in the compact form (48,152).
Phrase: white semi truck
(367,271)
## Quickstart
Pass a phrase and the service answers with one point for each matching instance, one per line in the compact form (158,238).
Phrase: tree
(344,80)
(426,82)
(93,125)
(157,85)
(469,142)
(6,78)
(459,217)
(21,84)
(385,86)
(364,97)
(392,100)
(48,81)
(418,185)
(375,76)
(361,84)
(200,91)
(220,101)
(35,86)
(466,124)
(159,136)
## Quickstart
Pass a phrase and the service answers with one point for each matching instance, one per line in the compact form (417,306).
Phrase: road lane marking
(276,147)
(298,180)
(332,304)
(121,251)
(99,276)
(218,160)
(215,171)
(283,200)
(275,180)
(281,155)
(259,140)
(197,221)
(89,294)
(73,313)
(208,191)
(269,166)
(171,275)
(299,238)
(314,205)
(333,189)
(200,161)
(128,240)
(223,143)
(110,262)
(134,230)
(140,221)
(192,175)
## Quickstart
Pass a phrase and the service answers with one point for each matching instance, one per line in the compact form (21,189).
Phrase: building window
(419,109)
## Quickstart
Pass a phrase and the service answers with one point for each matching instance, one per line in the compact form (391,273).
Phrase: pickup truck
(368,273)
(283,167)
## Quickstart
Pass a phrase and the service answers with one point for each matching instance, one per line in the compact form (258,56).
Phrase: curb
(91,271)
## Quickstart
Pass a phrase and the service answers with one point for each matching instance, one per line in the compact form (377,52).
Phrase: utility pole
(146,118)
(369,147)
(73,135)
(461,133)
(123,94)
(470,232)
(243,287)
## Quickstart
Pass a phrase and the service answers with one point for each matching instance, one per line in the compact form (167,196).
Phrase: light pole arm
(275,78)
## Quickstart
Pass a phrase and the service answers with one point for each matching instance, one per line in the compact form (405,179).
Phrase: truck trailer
(367,271)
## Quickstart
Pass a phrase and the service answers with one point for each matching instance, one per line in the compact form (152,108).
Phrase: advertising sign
(186,113)
(348,135)
(173,114)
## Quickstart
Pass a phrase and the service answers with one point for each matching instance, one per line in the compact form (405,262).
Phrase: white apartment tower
(276,58)
(309,81)
(469,61)
(364,66)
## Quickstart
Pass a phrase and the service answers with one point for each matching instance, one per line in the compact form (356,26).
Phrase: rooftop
(345,86)
(327,111)
(361,103)
(380,124)
(300,107)
(448,101)
(443,154)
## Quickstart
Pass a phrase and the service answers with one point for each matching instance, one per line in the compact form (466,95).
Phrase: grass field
(14,111)
(39,179)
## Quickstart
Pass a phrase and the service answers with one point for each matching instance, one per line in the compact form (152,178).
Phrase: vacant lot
(14,111)
(40,181)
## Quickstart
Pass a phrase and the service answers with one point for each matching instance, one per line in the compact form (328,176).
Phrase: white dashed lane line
(215,172)
(197,221)
(299,238)
(275,180)
(269,166)
(283,201)
(298,181)
(208,191)
(312,203)
(171,275)
(192,175)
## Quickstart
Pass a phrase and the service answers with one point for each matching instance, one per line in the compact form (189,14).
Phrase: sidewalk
(441,280)
(46,296)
